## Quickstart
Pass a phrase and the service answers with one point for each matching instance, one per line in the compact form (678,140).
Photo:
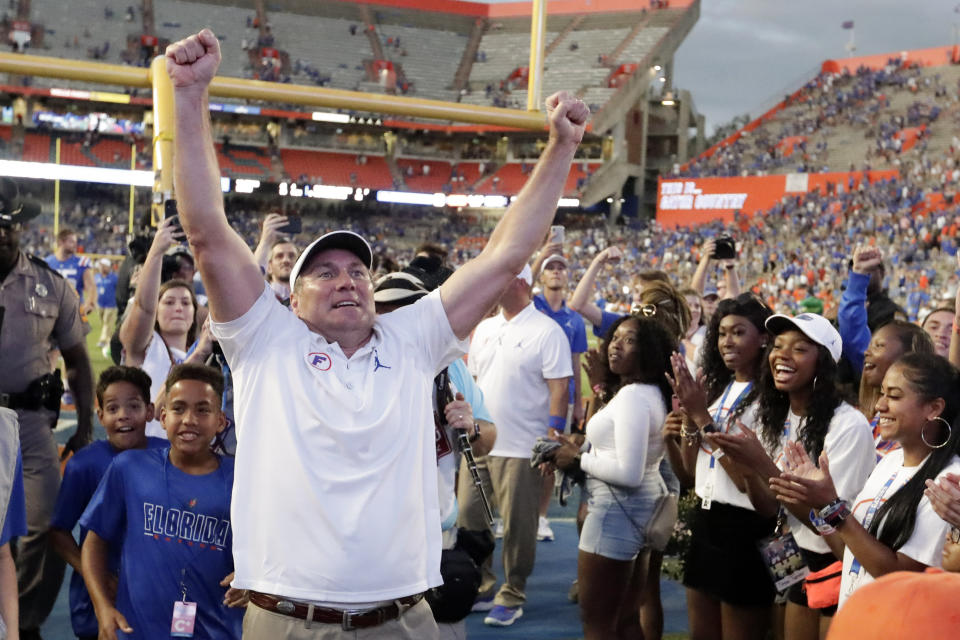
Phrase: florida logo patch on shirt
(319,361)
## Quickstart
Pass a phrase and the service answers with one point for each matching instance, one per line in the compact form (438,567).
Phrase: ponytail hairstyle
(669,307)
(931,376)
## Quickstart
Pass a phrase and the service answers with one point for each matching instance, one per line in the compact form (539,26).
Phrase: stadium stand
(177,19)
(327,51)
(81,29)
(428,57)
(841,120)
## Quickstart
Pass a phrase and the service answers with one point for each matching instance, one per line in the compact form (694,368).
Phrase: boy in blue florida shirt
(123,407)
(168,512)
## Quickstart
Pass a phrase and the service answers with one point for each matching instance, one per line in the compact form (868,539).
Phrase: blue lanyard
(720,415)
(872,512)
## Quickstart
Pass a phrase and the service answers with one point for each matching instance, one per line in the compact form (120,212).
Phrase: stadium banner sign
(694,201)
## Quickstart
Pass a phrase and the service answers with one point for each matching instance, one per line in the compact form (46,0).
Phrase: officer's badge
(41,289)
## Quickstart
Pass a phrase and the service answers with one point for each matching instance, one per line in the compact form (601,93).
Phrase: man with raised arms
(336,523)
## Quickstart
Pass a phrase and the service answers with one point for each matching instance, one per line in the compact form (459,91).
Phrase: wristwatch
(476,433)
(828,519)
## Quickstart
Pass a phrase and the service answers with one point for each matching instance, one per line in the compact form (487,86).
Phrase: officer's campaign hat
(13,210)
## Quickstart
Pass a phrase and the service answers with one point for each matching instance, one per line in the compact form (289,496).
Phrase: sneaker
(544,532)
(482,604)
(498,527)
(574,594)
(501,616)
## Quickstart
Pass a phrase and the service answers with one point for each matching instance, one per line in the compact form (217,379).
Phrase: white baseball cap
(526,274)
(347,240)
(556,257)
(812,325)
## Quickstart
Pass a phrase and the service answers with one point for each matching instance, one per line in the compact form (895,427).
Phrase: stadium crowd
(289,408)
(856,101)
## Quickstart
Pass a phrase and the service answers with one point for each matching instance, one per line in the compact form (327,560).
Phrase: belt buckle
(346,622)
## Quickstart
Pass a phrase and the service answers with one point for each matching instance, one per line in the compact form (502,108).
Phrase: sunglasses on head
(645,310)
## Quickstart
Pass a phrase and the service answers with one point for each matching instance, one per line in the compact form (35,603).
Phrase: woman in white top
(894,526)
(798,401)
(729,591)
(161,322)
(621,459)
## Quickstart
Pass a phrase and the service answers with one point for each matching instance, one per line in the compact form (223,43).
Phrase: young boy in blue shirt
(168,512)
(123,407)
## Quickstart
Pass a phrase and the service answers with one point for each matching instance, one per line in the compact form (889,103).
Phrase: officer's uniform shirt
(40,313)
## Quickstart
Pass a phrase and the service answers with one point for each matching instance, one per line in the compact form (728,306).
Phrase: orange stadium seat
(337,168)
(439,175)
(36,148)
(244,161)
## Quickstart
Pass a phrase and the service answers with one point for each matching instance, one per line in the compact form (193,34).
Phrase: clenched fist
(568,117)
(192,62)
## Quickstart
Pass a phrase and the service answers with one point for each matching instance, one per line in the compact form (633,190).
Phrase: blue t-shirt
(106,290)
(80,480)
(172,528)
(608,318)
(572,324)
(463,381)
(15,522)
(72,269)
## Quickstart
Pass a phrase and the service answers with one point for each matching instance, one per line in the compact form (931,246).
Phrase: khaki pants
(39,569)
(415,623)
(108,321)
(516,491)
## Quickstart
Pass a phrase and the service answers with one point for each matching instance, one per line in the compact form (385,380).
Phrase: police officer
(39,310)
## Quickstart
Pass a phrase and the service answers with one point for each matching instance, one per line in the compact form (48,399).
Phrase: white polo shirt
(512,360)
(335,492)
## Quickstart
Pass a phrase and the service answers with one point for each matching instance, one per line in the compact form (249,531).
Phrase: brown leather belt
(348,619)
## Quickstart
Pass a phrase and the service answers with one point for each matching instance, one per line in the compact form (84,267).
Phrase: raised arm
(581,301)
(852,313)
(137,327)
(230,274)
(268,235)
(732,279)
(474,288)
(699,280)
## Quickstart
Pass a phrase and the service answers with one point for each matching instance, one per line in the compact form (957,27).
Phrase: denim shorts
(617,518)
